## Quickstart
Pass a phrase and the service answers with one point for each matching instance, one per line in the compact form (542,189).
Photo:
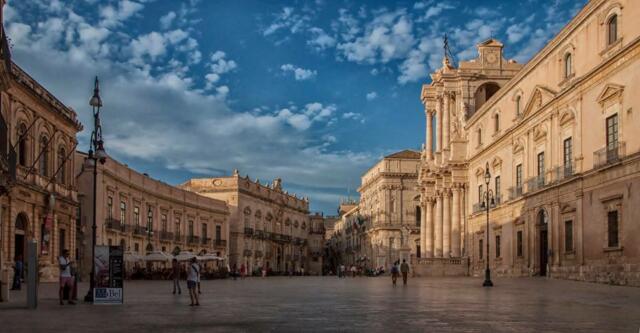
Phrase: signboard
(109,275)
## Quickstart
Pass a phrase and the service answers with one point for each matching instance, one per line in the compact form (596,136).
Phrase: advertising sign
(109,275)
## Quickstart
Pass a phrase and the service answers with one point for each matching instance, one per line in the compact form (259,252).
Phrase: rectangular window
(136,247)
(497,189)
(163,220)
(218,232)
(568,236)
(109,207)
(204,231)
(480,194)
(497,246)
(612,132)
(519,244)
(568,152)
(136,215)
(190,228)
(480,248)
(177,230)
(541,164)
(123,212)
(519,176)
(150,219)
(612,228)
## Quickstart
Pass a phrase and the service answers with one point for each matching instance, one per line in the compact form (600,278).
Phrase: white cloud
(436,9)
(320,40)
(372,95)
(167,20)
(219,65)
(299,73)
(389,36)
(289,20)
(114,16)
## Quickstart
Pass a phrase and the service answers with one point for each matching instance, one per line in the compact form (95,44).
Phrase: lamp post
(96,154)
(489,200)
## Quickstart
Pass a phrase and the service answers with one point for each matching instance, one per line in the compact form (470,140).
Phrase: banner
(109,277)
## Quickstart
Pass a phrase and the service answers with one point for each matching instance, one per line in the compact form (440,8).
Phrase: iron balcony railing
(219,243)
(259,234)
(165,235)
(515,192)
(113,224)
(563,172)
(193,239)
(536,183)
(205,240)
(139,230)
(612,153)
(178,238)
(247,253)
(248,231)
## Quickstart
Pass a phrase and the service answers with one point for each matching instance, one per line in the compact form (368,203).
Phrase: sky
(313,92)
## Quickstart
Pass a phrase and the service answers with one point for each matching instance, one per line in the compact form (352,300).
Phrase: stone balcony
(219,243)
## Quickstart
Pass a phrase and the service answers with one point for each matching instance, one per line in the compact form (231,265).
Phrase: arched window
(22,145)
(496,123)
(518,105)
(479,136)
(612,29)
(568,63)
(44,156)
(62,156)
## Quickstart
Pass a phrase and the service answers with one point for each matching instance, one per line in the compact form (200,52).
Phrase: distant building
(268,226)
(143,214)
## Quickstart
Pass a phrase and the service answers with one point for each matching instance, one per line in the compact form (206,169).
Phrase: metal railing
(139,230)
(219,243)
(563,172)
(205,240)
(259,234)
(178,238)
(248,231)
(165,235)
(515,192)
(247,253)
(609,155)
(193,239)
(113,224)
(536,183)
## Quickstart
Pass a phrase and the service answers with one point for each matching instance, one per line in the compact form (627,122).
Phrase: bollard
(32,276)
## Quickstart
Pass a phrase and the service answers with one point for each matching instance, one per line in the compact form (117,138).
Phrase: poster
(109,276)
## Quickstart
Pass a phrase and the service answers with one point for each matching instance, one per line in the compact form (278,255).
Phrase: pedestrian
(18,268)
(404,268)
(175,275)
(302,270)
(394,273)
(66,280)
(192,281)
(343,270)
(243,270)
(264,271)
(353,271)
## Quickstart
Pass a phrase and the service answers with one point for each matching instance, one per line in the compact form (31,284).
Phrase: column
(455,223)
(438,125)
(438,228)
(423,229)
(446,224)
(428,239)
(445,121)
(429,134)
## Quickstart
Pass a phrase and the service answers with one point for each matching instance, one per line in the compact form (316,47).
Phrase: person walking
(18,268)
(192,281)
(66,279)
(394,273)
(175,275)
(243,271)
(353,271)
(404,269)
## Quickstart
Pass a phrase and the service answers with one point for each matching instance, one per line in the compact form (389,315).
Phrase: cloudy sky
(311,91)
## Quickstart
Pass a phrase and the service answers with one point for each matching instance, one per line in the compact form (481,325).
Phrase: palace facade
(268,226)
(143,214)
(554,138)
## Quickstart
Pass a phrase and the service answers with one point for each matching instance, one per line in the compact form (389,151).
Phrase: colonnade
(443,213)
(444,104)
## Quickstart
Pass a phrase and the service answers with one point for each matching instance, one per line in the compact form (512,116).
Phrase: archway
(20,235)
(543,222)
(484,92)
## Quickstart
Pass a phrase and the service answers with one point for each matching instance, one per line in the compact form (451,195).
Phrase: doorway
(19,238)
(544,243)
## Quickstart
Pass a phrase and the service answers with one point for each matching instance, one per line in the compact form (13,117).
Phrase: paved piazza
(332,304)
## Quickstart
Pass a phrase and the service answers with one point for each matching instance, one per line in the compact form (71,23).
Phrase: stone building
(316,244)
(143,214)
(39,136)
(268,226)
(556,136)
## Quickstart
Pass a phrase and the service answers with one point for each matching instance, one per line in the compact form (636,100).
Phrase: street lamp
(488,202)
(96,154)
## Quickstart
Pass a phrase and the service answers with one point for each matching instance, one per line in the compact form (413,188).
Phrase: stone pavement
(310,304)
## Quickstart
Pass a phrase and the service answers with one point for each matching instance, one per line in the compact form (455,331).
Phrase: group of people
(396,269)
(193,280)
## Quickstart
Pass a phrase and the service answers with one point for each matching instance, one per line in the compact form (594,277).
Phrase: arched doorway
(484,92)
(543,223)
(20,235)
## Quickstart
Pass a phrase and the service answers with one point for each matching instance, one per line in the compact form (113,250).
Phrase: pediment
(540,132)
(540,96)
(518,146)
(610,91)
(496,163)
(479,171)
(567,117)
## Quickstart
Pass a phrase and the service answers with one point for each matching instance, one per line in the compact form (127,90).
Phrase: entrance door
(19,246)
(544,251)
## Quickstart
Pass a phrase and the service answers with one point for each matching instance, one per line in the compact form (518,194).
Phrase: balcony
(286,238)
(139,230)
(248,231)
(563,172)
(219,243)
(258,254)
(515,192)
(259,234)
(115,225)
(613,153)
(193,240)
(247,253)
(166,236)
(178,238)
(205,240)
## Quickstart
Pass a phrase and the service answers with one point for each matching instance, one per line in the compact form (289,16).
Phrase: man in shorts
(66,279)
(192,281)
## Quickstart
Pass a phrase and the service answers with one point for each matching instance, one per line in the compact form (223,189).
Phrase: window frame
(568,65)
(568,236)
(519,244)
(612,21)
(610,233)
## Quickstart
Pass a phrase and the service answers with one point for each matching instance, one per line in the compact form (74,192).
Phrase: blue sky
(314,92)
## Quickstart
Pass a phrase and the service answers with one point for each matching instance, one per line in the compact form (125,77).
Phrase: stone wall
(435,267)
